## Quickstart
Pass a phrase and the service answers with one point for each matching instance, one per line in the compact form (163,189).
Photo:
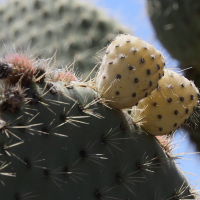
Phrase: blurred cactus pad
(75,29)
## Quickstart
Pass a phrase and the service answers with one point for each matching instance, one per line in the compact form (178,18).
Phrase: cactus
(177,27)
(75,29)
(60,142)
(129,61)
(169,106)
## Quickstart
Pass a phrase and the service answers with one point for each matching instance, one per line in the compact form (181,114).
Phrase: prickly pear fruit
(168,106)
(130,70)
(177,26)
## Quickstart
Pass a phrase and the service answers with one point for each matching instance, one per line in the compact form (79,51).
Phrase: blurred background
(132,14)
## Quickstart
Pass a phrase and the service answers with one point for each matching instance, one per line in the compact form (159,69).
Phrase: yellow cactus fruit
(168,106)
(129,71)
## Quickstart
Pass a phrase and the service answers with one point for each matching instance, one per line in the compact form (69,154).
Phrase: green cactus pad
(62,144)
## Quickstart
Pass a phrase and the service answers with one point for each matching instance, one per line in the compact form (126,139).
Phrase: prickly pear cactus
(59,142)
(177,26)
(73,28)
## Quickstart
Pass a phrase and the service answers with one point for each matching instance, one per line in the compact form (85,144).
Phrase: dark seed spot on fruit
(146,94)
(183,85)
(134,94)
(107,52)
(111,62)
(159,116)
(117,45)
(136,80)
(142,60)
(169,100)
(181,98)
(158,66)
(186,110)
(118,76)
(175,124)
(148,71)
(122,56)
(191,97)
(153,57)
(160,129)
(117,93)
(154,103)
(130,67)
(159,75)
(135,50)
(176,112)
(150,83)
